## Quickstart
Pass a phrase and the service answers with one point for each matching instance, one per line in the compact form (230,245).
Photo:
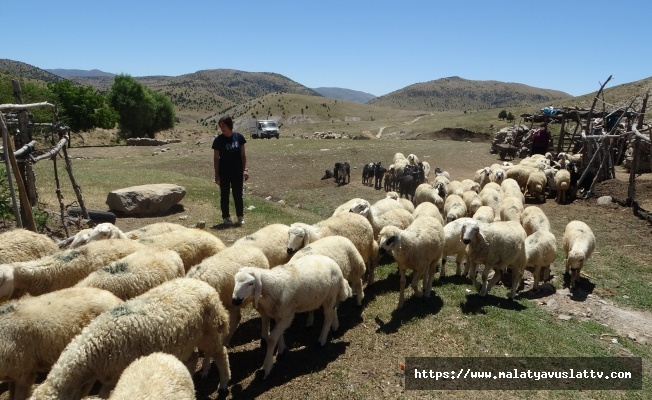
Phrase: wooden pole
(23,137)
(75,186)
(62,208)
(10,180)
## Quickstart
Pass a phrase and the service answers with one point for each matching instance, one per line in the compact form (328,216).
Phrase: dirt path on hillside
(380,132)
(415,120)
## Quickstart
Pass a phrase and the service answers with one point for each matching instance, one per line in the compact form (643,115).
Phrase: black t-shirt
(229,148)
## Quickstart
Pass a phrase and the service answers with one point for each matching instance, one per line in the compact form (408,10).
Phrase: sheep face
(575,260)
(247,284)
(6,281)
(361,208)
(296,239)
(388,244)
(469,229)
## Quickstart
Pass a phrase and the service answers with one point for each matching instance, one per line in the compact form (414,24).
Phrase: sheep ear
(365,210)
(258,288)
(484,239)
(306,238)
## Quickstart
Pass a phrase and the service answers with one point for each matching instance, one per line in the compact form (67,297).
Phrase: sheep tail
(345,290)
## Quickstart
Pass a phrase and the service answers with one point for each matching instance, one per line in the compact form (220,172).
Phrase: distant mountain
(456,93)
(345,94)
(67,73)
(27,71)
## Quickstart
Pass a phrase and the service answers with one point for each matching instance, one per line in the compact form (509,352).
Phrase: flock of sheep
(133,310)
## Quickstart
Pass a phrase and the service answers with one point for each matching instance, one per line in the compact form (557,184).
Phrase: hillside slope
(345,94)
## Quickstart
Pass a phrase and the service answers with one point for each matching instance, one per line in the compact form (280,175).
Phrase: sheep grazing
(383,205)
(344,253)
(154,229)
(219,271)
(397,217)
(193,245)
(453,246)
(499,246)
(35,330)
(520,174)
(419,248)
(455,187)
(136,273)
(578,244)
(540,252)
(536,185)
(484,214)
(156,376)
(534,219)
(352,226)
(407,204)
(63,269)
(173,318)
(469,184)
(19,245)
(301,285)
(493,199)
(272,240)
(427,193)
(562,180)
(102,231)
(346,207)
(454,208)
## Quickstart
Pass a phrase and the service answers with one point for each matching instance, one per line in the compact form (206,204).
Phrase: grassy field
(363,359)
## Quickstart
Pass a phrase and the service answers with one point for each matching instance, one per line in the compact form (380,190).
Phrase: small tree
(81,108)
(502,114)
(510,117)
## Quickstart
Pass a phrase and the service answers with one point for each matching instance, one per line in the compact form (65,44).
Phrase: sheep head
(575,260)
(6,281)
(469,230)
(247,284)
(389,239)
(297,237)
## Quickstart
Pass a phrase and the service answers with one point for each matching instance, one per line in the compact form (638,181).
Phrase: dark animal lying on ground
(327,175)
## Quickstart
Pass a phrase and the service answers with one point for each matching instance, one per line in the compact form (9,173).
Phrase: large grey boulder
(145,200)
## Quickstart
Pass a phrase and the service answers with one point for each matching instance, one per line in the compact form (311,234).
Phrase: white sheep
(419,248)
(472,201)
(453,246)
(102,231)
(534,219)
(428,209)
(397,217)
(383,205)
(346,206)
(454,208)
(413,159)
(511,209)
(353,226)
(484,214)
(497,175)
(426,169)
(509,183)
(35,330)
(492,198)
(136,273)
(193,245)
(493,185)
(455,187)
(482,176)
(427,193)
(174,318)
(398,157)
(154,229)
(19,245)
(344,253)
(520,174)
(578,244)
(219,271)
(562,180)
(540,252)
(156,376)
(407,204)
(536,185)
(272,240)
(499,245)
(469,184)
(63,269)
(301,285)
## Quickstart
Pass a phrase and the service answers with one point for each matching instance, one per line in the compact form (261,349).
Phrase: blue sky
(372,46)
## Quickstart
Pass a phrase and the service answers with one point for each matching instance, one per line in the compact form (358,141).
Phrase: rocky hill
(456,93)
(22,70)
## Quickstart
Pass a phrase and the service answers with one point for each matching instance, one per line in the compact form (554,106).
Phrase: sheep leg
(536,273)
(191,363)
(357,285)
(264,319)
(575,274)
(430,276)
(311,319)
(416,277)
(442,273)
(336,320)
(272,341)
(516,280)
(401,296)
(329,310)
(493,280)
(224,370)
(106,389)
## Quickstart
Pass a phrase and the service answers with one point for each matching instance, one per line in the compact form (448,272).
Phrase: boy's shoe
(241,221)
(227,221)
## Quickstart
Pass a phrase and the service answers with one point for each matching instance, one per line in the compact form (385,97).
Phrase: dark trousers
(235,184)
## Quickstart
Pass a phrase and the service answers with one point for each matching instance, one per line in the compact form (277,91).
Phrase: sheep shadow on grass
(413,308)
(293,364)
(476,304)
(583,287)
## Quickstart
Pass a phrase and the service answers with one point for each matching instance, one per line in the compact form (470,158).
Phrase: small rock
(625,296)
(614,341)
(605,200)
(268,198)
(250,208)
(281,202)
(564,317)
(183,217)
(200,225)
